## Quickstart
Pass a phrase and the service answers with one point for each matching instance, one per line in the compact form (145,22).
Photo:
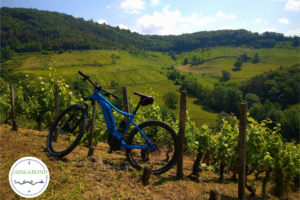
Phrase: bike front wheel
(166,143)
(67,131)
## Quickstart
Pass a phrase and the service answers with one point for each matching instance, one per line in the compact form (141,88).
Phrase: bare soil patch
(79,177)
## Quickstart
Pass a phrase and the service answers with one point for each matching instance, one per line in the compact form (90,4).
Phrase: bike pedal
(110,151)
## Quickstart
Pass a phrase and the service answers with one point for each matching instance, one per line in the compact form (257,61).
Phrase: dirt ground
(78,177)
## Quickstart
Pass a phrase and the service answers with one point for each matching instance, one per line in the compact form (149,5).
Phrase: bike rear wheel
(71,125)
(165,140)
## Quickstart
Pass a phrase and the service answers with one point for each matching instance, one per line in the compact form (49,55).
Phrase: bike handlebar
(86,77)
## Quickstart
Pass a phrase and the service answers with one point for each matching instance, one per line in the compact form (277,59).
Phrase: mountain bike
(152,143)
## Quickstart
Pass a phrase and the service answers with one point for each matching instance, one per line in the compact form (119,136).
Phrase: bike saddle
(144,96)
(145,99)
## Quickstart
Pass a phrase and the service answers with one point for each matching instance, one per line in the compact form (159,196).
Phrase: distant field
(220,52)
(279,57)
(196,112)
(144,70)
(270,59)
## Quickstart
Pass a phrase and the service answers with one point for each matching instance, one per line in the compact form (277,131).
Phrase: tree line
(274,95)
(29,30)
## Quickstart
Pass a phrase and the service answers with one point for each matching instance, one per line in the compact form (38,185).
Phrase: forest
(274,95)
(32,30)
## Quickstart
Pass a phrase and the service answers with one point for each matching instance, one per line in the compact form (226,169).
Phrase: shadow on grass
(224,80)
(208,109)
(163,180)
(37,135)
(227,181)
(236,69)
(226,197)
(198,102)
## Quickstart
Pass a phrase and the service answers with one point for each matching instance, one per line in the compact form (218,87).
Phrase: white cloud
(154,2)
(268,30)
(185,28)
(122,26)
(292,5)
(226,27)
(293,32)
(170,22)
(108,7)
(220,14)
(132,6)
(257,20)
(283,21)
(244,23)
(194,15)
(101,21)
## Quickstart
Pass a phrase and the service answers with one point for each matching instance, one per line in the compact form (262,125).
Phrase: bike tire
(162,136)
(65,143)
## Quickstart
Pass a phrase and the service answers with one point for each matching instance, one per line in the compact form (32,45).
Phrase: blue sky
(164,17)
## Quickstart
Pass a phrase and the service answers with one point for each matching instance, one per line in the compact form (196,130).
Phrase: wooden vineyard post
(125,101)
(207,159)
(13,111)
(242,152)
(91,152)
(56,103)
(214,195)
(146,175)
(181,133)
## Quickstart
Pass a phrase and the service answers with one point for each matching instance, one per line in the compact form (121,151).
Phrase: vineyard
(267,152)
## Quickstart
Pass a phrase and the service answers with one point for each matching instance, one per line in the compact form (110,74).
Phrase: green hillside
(223,58)
(32,30)
(139,70)
(33,40)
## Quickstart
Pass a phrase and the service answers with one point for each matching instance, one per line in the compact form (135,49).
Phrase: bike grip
(79,72)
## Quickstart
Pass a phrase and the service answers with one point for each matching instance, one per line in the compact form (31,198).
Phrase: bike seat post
(137,107)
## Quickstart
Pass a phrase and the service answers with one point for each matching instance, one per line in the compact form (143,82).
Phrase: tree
(256,58)
(60,51)
(226,74)
(171,99)
(6,53)
(296,41)
(290,123)
(172,54)
(113,84)
(238,64)
(166,112)
(199,61)
(173,75)
(194,60)
(257,111)
(82,88)
(251,99)
(185,62)
(245,57)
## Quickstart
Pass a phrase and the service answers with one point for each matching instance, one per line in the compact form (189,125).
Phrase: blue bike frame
(111,126)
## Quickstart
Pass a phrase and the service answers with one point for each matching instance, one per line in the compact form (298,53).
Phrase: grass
(197,113)
(270,59)
(146,68)
(77,177)
(133,71)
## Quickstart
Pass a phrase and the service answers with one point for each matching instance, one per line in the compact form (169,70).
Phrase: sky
(175,17)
